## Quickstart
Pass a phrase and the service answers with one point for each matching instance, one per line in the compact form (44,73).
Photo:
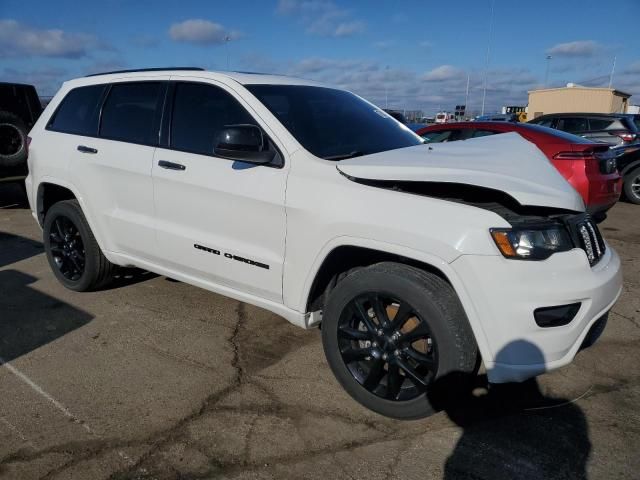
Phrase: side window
(573,125)
(482,133)
(79,111)
(601,123)
(548,122)
(438,136)
(199,111)
(130,112)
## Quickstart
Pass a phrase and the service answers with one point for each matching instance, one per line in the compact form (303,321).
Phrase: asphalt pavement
(156,379)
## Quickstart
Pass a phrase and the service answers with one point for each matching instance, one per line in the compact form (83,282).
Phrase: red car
(588,166)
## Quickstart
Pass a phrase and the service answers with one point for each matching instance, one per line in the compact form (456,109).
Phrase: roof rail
(157,69)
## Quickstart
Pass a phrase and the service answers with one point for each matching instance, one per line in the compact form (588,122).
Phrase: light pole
(226,43)
(546,73)
(486,67)
(386,87)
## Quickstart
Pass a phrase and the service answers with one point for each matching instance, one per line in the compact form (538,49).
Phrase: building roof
(619,93)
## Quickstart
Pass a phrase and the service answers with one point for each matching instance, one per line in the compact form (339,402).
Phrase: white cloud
(443,73)
(383,44)
(579,48)
(201,32)
(322,17)
(18,40)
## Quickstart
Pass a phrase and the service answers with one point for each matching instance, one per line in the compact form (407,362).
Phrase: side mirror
(245,143)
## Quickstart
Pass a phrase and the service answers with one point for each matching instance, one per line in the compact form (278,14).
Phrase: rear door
(218,221)
(113,167)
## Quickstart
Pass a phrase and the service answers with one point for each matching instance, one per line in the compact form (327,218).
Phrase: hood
(504,162)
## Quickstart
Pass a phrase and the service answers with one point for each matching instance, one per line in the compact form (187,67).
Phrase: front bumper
(504,294)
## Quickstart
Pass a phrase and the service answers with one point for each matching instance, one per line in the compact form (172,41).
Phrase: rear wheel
(72,250)
(632,186)
(390,332)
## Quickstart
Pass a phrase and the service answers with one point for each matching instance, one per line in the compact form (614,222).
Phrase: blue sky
(407,54)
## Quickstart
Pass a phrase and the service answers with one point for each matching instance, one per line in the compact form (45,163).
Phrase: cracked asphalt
(156,379)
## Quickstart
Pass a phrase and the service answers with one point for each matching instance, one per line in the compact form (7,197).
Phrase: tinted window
(438,136)
(78,112)
(332,123)
(482,133)
(558,134)
(199,111)
(573,125)
(600,123)
(129,113)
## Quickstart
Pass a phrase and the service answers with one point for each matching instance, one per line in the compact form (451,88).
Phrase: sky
(400,54)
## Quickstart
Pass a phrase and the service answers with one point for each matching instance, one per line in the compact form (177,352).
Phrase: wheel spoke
(394,382)
(420,331)
(414,376)
(402,315)
(376,372)
(379,310)
(363,315)
(421,358)
(353,333)
(355,354)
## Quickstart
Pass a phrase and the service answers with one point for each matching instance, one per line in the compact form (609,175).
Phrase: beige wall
(563,100)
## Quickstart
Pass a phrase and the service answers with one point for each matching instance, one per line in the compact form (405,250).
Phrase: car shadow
(14,248)
(12,196)
(29,318)
(512,431)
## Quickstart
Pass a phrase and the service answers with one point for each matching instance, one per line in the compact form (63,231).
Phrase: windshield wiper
(356,153)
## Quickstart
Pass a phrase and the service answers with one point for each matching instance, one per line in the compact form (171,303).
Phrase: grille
(590,240)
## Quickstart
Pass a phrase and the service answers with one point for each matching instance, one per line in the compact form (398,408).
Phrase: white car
(418,261)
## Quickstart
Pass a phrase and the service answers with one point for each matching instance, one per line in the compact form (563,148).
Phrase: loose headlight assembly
(532,243)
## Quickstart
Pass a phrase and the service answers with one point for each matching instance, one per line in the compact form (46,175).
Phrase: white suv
(418,261)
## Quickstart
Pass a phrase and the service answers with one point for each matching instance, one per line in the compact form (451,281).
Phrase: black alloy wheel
(387,347)
(67,248)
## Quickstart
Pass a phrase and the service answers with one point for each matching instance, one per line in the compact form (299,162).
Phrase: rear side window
(199,111)
(601,123)
(439,136)
(79,111)
(130,113)
(482,133)
(573,125)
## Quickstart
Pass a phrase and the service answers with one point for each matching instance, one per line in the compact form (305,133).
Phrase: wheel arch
(630,167)
(328,267)
(48,194)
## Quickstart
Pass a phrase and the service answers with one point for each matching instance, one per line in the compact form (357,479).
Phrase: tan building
(574,98)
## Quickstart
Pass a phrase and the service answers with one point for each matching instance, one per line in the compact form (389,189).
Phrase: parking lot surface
(158,379)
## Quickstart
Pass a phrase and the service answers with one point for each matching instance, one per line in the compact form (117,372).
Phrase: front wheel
(391,331)
(72,250)
(632,186)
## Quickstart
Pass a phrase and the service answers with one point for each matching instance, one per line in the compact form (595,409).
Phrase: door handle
(171,165)
(83,149)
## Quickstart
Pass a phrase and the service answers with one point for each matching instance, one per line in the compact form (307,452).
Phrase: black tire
(82,266)
(431,305)
(13,140)
(632,186)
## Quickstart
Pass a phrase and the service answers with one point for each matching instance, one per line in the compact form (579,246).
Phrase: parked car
(628,162)
(415,259)
(588,166)
(397,114)
(19,109)
(613,128)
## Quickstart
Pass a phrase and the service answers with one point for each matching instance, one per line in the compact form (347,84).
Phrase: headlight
(532,243)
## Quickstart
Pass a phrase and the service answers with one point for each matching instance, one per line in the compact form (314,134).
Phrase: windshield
(333,124)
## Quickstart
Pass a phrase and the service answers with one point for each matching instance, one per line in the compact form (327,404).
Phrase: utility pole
(226,43)
(466,94)
(386,87)
(486,67)
(613,68)
(546,73)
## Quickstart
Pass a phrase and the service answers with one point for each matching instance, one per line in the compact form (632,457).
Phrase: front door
(217,220)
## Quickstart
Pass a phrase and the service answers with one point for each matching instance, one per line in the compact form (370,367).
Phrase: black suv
(612,128)
(19,109)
